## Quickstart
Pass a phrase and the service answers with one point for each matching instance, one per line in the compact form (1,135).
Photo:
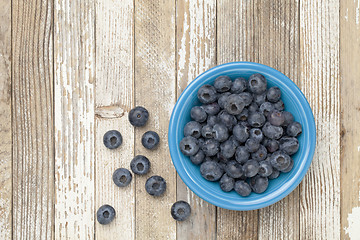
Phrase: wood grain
(319,51)
(277,25)
(350,115)
(32,114)
(155,90)
(74,59)
(196,52)
(5,122)
(114,93)
(236,42)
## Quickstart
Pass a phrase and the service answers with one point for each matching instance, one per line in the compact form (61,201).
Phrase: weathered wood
(319,54)
(5,122)
(278,25)
(155,90)
(74,59)
(196,52)
(114,99)
(350,115)
(32,114)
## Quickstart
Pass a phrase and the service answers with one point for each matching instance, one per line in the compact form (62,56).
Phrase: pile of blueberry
(140,165)
(241,136)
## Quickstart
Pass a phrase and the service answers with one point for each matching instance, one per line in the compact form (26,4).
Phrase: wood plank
(5,122)
(74,59)
(32,114)
(114,99)
(196,48)
(155,90)
(350,115)
(278,26)
(319,53)
(236,42)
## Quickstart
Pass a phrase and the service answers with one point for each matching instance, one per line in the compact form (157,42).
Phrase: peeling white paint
(353,229)
(357,12)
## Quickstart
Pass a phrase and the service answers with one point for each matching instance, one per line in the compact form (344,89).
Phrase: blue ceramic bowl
(295,102)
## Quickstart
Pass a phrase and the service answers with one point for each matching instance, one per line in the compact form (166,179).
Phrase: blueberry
(253,107)
(289,145)
(105,214)
(251,168)
(243,116)
(290,167)
(180,211)
(294,129)
(140,165)
(242,188)
(213,159)
(222,84)
(223,98)
(242,155)
(201,141)
(138,116)
(233,139)
(150,139)
(221,158)
(198,158)
(189,146)
(122,177)
(256,119)
(275,174)
(289,118)
(252,145)
(234,104)
(272,131)
(155,185)
(271,145)
(227,183)
(207,94)
(260,154)
(279,105)
(227,119)
(112,139)
(246,97)
(239,85)
(210,147)
(211,108)
(222,165)
(256,134)
(265,169)
(276,118)
(207,131)
(259,98)
(257,83)
(212,120)
(228,148)
(273,94)
(280,160)
(259,184)
(198,114)
(241,133)
(192,129)
(220,132)
(211,171)
(234,169)
(266,108)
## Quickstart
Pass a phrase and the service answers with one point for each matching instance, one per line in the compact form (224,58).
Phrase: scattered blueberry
(138,116)
(246,97)
(234,104)
(239,85)
(260,154)
(207,131)
(279,105)
(211,171)
(275,174)
(180,211)
(272,131)
(280,160)
(140,165)
(289,118)
(189,146)
(222,84)
(212,108)
(220,132)
(122,177)
(210,147)
(243,116)
(290,167)
(251,168)
(198,114)
(265,169)
(271,145)
(227,119)
(252,145)
(259,184)
(227,183)
(257,83)
(105,214)
(192,129)
(212,120)
(266,108)
(228,148)
(112,139)
(253,107)
(276,118)
(207,94)
(256,134)
(150,139)
(241,133)
(259,98)
(289,145)
(222,99)
(234,169)
(242,188)
(198,158)
(294,129)
(242,154)
(155,186)
(273,94)
(256,119)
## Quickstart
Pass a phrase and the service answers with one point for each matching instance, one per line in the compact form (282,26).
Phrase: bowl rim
(281,192)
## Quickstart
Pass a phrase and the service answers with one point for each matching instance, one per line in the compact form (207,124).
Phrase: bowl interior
(278,188)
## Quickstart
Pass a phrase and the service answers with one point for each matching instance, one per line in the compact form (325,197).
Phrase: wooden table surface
(70,70)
